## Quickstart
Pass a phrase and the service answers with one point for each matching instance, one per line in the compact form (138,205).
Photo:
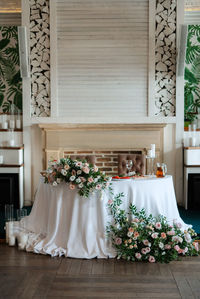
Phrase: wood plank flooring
(26,275)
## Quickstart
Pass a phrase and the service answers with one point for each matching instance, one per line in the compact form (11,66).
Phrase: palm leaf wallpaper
(192,73)
(10,80)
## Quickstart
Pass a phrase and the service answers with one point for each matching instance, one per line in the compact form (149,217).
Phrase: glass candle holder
(9,212)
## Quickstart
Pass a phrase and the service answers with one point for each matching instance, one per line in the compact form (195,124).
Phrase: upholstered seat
(138,163)
(89,158)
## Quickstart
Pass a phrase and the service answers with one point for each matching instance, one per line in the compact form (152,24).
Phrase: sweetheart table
(63,223)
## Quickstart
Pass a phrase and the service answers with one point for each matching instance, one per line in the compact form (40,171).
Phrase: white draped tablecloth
(63,223)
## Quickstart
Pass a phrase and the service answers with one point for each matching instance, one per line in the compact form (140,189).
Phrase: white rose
(78,180)
(188,238)
(80,185)
(79,172)
(58,180)
(129,234)
(64,172)
(54,183)
(72,178)
(161,245)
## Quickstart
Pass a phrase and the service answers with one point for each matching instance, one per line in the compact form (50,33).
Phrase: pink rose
(79,164)
(82,179)
(145,242)
(158,225)
(154,235)
(90,179)
(138,256)
(177,248)
(152,259)
(110,201)
(143,250)
(72,186)
(98,186)
(130,229)
(86,169)
(148,249)
(118,241)
(163,235)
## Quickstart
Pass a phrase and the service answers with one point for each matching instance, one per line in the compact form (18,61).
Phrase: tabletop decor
(78,173)
(137,237)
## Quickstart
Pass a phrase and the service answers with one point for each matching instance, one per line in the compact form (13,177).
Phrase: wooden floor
(28,275)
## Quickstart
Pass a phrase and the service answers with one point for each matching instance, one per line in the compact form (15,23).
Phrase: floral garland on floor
(137,237)
(78,173)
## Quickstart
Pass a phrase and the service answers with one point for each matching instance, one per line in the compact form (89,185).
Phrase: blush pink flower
(152,259)
(144,251)
(79,163)
(154,235)
(110,201)
(82,179)
(90,179)
(86,169)
(130,229)
(177,248)
(118,241)
(72,186)
(163,235)
(167,246)
(158,225)
(98,186)
(138,256)
(148,249)
(145,242)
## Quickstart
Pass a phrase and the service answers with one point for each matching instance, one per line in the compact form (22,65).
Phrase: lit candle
(153,148)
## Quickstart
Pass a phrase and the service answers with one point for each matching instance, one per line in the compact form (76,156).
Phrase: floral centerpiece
(137,237)
(78,173)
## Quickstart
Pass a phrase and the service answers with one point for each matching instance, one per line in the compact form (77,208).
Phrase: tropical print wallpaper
(192,73)
(10,80)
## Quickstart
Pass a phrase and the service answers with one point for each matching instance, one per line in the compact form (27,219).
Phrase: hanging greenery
(10,80)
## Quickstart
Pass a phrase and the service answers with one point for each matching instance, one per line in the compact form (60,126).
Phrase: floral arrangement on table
(137,237)
(78,173)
